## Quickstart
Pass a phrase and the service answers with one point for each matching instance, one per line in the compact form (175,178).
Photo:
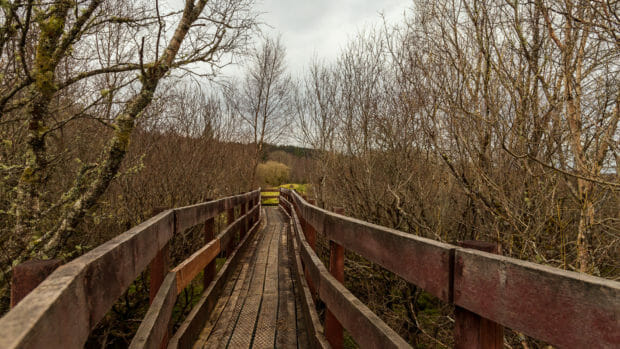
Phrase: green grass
(301,188)
(270,201)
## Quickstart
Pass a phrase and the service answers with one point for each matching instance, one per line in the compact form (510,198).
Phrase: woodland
(494,120)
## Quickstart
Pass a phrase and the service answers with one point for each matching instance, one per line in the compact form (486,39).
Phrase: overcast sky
(322,27)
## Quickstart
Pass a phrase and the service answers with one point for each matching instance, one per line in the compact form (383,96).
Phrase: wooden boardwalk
(259,307)
(264,295)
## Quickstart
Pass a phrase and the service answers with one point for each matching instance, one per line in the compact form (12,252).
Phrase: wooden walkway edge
(258,306)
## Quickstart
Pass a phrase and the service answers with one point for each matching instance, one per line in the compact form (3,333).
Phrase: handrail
(78,294)
(360,321)
(560,307)
(152,329)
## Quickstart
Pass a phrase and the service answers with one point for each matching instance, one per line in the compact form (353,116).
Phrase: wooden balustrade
(489,291)
(78,294)
(563,308)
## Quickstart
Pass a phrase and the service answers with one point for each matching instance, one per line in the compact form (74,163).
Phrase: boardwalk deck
(258,307)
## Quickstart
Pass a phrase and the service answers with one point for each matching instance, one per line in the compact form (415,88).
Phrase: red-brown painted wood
(565,309)
(158,267)
(364,326)
(470,329)
(209,271)
(311,231)
(423,262)
(158,270)
(28,275)
(154,330)
(230,219)
(244,226)
(333,328)
(189,268)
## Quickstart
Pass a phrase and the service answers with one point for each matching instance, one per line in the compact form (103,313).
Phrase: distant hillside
(299,152)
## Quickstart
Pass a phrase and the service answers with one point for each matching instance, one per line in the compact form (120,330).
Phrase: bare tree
(317,117)
(263,98)
(100,60)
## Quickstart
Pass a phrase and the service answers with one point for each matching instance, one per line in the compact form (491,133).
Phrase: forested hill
(290,149)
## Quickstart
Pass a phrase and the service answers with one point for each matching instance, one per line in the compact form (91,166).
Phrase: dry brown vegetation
(485,120)
(492,120)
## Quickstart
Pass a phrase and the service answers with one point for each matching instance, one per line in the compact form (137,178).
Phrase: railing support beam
(209,271)
(333,328)
(472,330)
(310,234)
(244,226)
(28,275)
(230,218)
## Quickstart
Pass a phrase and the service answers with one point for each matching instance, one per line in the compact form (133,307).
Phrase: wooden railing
(563,308)
(63,309)
(268,194)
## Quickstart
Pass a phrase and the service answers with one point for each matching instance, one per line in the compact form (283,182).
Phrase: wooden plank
(210,269)
(227,235)
(423,262)
(156,322)
(158,269)
(242,335)
(286,321)
(563,308)
(222,332)
(311,318)
(363,325)
(265,332)
(192,215)
(189,330)
(61,312)
(28,275)
(312,263)
(189,268)
(470,329)
(227,299)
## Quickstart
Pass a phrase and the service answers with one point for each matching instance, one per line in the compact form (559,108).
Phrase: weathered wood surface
(191,267)
(313,327)
(421,261)
(190,329)
(363,325)
(28,275)
(566,309)
(251,315)
(209,235)
(227,236)
(470,329)
(154,328)
(190,216)
(61,312)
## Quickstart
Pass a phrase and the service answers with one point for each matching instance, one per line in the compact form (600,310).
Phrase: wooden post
(28,275)
(310,234)
(159,265)
(311,231)
(230,218)
(333,328)
(244,226)
(471,330)
(209,271)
